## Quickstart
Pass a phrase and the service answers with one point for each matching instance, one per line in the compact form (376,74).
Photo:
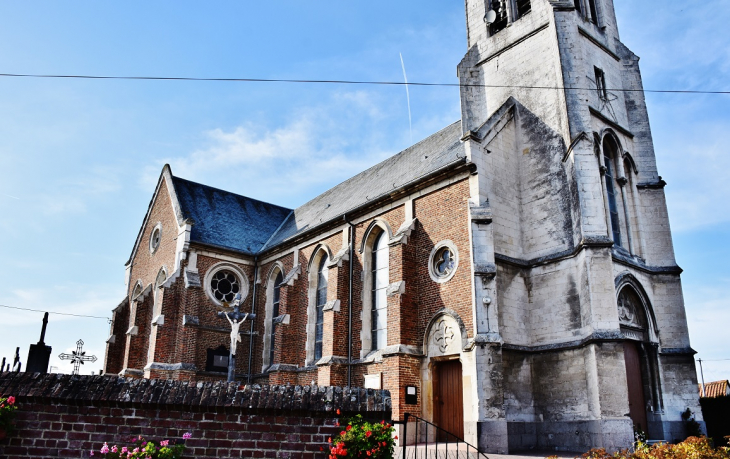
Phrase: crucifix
(78,357)
(235,318)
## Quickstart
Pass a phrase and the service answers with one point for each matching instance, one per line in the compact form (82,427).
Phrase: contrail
(10,196)
(408,97)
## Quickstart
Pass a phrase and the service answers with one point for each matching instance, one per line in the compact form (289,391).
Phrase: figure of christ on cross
(235,318)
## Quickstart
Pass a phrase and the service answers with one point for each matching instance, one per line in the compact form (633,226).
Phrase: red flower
(338,411)
(382,422)
(11,400)
(329,440)
(368,433)
(396,437)
(348,428)
(343,432)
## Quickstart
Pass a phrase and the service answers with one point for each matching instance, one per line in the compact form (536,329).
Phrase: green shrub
(360,438)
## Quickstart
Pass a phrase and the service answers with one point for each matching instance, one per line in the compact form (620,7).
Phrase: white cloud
(288,165)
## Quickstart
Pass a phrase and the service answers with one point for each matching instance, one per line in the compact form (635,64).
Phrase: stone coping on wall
(193,395)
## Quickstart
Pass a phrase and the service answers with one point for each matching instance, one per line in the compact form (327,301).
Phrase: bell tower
(568,218)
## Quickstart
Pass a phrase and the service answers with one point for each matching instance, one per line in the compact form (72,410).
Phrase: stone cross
(235,318)
(78,357)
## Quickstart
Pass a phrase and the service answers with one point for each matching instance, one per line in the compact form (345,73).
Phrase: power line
(51,312)
(354,82)
(714,360)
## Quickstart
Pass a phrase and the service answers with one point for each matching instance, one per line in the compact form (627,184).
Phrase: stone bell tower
(581,334)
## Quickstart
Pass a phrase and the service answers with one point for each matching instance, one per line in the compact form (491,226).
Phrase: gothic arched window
(379,286)
(274,314)
(321,300)
(609,152)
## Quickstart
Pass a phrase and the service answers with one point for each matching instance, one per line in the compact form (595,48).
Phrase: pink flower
(135,450)
(91,453)
(11,400)
(187,435)
(114,449)
(105,449)
(164,442)
(124,450)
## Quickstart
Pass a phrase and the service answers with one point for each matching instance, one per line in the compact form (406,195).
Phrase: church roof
(234,222)
(430,155)
(225,219)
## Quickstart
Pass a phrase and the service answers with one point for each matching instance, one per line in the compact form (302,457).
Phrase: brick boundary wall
(67,416)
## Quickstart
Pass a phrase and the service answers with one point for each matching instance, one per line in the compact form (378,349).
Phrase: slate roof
(231,221)
(225,219)
(434,153)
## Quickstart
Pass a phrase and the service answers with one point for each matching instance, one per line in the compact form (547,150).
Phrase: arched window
(274,314)
(609,152)
(321,300)
(593,10)
(379,285)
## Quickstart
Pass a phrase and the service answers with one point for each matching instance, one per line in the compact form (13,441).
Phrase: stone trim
(599,336)
(513,44)
(134,373)
(282,319)
(481,214)
(170,366)
(597,113)
(679,351)
(396,288)
(292,275)
(282,367)
(333,305)
(393,350)
(331,360)
(598,43)
(133,331)
(339,257)
(190,321)
(658,185)
(192,278)
(403,233)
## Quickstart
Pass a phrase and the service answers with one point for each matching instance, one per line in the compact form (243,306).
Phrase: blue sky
(79,158)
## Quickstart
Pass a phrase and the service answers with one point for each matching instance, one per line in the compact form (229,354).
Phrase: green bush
(360,438)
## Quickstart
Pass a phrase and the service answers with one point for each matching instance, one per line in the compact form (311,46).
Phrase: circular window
(225,285)
(443,261)
(224,281)
(155,238)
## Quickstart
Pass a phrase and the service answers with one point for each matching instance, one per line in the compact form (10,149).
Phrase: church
(510,278)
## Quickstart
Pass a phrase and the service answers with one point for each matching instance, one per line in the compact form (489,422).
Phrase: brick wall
(67,416)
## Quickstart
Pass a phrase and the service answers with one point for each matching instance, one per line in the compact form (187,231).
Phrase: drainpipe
(253,313)
(349,302)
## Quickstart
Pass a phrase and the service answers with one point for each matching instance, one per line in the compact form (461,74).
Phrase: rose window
(444,262)
(225,285)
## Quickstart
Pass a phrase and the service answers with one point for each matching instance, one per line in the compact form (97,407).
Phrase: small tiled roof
(225,219)
(432,154)
(716,389)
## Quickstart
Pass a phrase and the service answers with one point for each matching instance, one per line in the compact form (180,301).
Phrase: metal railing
(425,440)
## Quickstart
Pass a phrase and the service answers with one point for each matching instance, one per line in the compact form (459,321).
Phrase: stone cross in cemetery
(235,318)
(16,361)
(78,357)
(39,354)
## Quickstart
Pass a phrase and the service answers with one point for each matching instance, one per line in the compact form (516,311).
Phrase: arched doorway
(640,357)
(442,374)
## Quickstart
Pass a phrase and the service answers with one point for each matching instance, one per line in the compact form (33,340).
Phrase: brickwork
(65,416)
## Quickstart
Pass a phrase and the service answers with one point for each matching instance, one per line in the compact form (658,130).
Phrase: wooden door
(449,403)
(637,401)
